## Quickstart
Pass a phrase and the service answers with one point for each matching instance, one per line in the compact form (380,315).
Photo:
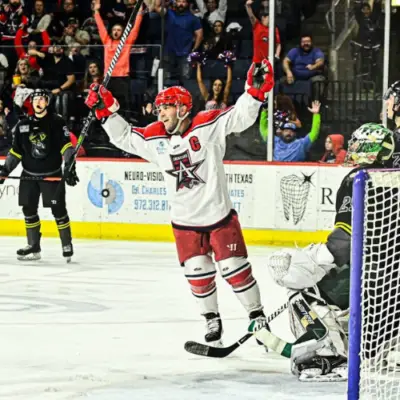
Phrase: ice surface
(112,325)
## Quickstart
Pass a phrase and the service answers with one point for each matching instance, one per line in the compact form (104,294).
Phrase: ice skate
(29,253)
(68,252)
(213,337)
(323,369)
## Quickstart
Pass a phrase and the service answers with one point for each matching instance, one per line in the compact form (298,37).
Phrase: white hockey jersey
(192,164)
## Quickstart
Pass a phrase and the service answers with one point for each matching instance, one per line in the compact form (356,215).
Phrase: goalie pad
(301,268)
(320,351)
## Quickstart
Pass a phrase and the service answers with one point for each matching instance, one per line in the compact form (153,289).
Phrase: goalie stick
(201,349)
(91,117)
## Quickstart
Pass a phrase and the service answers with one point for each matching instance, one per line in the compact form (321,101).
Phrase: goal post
(374,326)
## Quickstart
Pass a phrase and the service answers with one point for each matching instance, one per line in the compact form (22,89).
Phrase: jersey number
(346,205)
(194,143)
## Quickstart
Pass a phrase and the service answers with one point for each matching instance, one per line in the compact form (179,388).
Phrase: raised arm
(228,84)
(99,22)
(316,122)
(122,134)
(202,86)
(245,112)
(250,12)
(131,39)
(264,124)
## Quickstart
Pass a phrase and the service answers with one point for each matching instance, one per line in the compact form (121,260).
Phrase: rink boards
(278,203)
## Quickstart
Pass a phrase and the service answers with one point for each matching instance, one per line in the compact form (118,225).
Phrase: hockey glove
(102,101)
(3,174)
(260,80)
(71,178)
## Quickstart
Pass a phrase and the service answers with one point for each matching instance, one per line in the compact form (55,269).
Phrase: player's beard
(288,139)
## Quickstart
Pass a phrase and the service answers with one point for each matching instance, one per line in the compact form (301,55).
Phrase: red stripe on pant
(202,287)
(241,279)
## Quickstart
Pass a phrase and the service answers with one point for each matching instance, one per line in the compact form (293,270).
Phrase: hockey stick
(201,349)
(91,117)
(33,178)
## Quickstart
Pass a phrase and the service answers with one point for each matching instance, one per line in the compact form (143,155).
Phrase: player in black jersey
(40,144)
(320,273)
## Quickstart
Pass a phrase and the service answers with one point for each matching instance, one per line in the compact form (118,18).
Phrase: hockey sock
(64,230)
(32,225)
(237,272)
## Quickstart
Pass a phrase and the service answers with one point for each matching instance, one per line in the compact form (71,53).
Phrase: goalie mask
(370,144)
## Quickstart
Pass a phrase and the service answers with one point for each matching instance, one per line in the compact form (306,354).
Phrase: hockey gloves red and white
(102,101)
(260,80)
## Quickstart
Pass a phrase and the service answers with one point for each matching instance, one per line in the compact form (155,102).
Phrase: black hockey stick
(91,117)
(201,349)
(33,178)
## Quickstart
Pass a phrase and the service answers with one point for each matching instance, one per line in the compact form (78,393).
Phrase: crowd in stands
(64,46)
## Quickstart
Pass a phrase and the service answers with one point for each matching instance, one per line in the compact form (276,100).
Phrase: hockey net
(374,354)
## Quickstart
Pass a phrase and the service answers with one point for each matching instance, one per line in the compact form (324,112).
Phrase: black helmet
(40,93)
(394,90)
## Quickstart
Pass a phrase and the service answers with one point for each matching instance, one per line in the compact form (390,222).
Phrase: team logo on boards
(294,192)
(185,171)
(105,193)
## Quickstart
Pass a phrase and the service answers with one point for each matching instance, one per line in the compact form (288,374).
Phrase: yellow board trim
(158,233)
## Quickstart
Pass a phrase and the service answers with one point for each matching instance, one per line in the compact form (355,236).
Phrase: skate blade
(68,259)
(30,257)
(340,376)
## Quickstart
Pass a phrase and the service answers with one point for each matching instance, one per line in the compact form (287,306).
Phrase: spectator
(212,10)
(78,60)
(284,104)
(32,45)
(184,36)
(58,70)
(28,77)
(366,46)
(286,146)
(334,154)
(305,62)
(93,74)
(39,21)
(5,140)
(61,18)
(12,18)
(217,97)
(217,42)
(119,83)
(261,35)
(72,34)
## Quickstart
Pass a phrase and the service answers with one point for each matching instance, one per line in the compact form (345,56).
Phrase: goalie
(317,277)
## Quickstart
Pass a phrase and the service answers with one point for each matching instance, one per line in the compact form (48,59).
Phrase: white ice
(112,325)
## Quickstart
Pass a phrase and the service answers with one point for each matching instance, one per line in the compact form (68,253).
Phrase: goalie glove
(301,268)
(260,80)
(102,101)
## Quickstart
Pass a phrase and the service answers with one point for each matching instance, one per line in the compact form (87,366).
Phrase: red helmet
(176,96)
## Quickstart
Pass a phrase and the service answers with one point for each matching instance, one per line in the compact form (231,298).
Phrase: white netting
(380,342)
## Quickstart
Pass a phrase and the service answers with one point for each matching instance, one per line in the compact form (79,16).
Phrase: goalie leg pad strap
(200,272)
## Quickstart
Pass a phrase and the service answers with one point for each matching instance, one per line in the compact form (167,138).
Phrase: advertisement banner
(280,197)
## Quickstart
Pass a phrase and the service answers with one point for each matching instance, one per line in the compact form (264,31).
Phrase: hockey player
(190,153)
(319,275)
(40,143)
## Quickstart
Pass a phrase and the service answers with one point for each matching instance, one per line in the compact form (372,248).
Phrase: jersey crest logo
(185,171)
